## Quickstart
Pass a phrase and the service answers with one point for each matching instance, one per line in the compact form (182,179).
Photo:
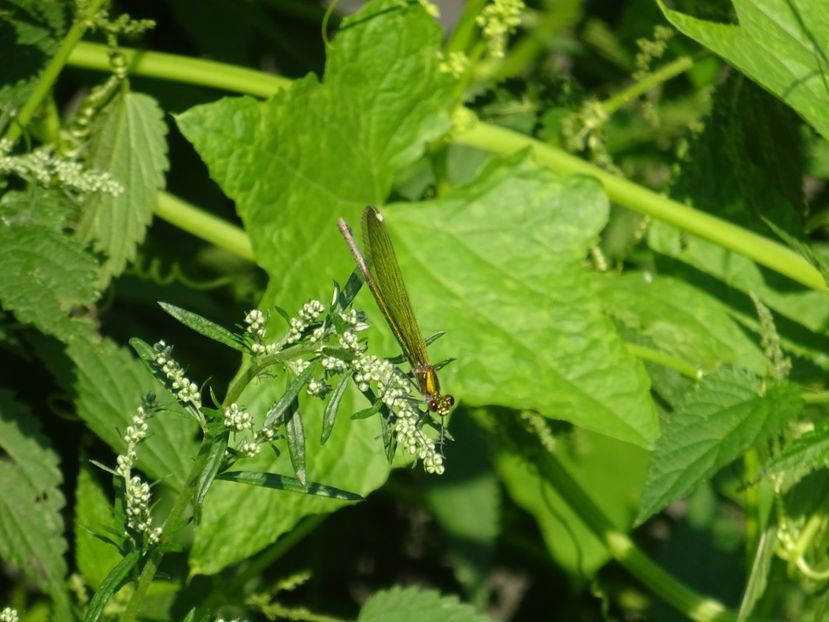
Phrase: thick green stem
(247,375)
(171,524)
(625,551)
(666,360)
(204,225)
(52,71)
(638,198)
(182,69)
(465,32)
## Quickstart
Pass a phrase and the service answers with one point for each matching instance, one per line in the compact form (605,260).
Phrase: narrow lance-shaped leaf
(112,583)
(295,433)
(216,450)
(291,484)
(205,327)
(331,408)
(277,412)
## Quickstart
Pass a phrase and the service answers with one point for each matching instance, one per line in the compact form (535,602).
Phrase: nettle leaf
(128,142)
(744,136)
(808,453)
(315,152)
(780,44)
(722,418)
(613,473)
(46,277)
(109,385)
(93,515)
(30,33)
(678,319)
(414,604)
(31,523)
(508,287)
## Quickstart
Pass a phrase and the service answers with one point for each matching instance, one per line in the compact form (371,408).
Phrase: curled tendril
(152,269)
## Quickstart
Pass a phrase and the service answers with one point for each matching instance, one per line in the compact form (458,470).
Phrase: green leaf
(128,142)
(46,277)
(760,569)
(745,134)
(613,472)
(111,584)
(93,515)
(520,314)
(678,319)
(801,456)
(109,385)
(780,44)
(30,33)
(205,327)
(723,417)
(31,523)
(413,604)
(314,152)
(216,449)
(291,484)
(330,414)
(279,411)
(295,433)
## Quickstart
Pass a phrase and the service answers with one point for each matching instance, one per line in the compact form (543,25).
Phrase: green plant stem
(625,551)
(254,368)
(171,524)
(660,358)
(182,69)
(465,33)
(204,225)
(816,397)
(52,71)
(638,198)
(663,74)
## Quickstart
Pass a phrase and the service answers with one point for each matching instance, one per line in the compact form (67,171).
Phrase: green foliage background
(619,389)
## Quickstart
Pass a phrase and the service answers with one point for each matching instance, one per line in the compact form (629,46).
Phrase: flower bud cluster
(395,392)
(44,167)
(308,314)
(138,509)
(393,386)
(497,22)
(185,390)
(455,64)
(318,388)
(9,614)
(134,434)
(256,332)
(237,419)
(408,431)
